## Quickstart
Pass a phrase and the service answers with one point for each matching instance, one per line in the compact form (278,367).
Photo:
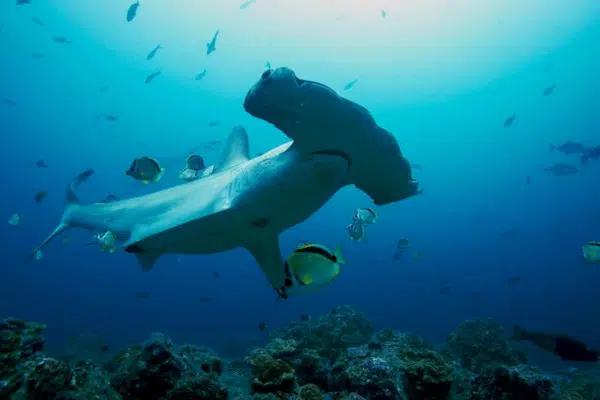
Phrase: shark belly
(286,190)
(262,200)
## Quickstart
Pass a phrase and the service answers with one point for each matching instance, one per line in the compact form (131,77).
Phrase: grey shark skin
(318,120)
(248,202)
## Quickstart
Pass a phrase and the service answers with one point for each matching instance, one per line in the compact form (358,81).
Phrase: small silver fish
(356,230)
(188,175)
(366,215)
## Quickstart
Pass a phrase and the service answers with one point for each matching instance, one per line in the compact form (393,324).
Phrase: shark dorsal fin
(236,150)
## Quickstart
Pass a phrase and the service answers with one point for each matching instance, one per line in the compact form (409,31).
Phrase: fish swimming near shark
(247,203)
(212,45)
(153,52)
(132,11)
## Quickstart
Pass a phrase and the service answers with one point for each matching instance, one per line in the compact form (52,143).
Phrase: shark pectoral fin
(268,256)
(147,260)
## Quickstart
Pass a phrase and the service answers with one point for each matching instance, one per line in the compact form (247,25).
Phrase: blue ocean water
(442,76)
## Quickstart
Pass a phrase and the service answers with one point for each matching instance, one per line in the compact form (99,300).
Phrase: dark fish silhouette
(559,169)
(41,164)
(201,75)
(8,102)
(108,117)
(37,55)
(568,148)
(151,77)
(38,21)
(212,124)
(513,280)
(195,162)
(22,2)
(509,121)
(61,39)
(132,11)
(212,45)
(41,195)
(591,154)
(350,84)
(567,348)
(152,53)
(548,91)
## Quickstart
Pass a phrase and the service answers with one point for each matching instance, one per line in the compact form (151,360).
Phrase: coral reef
(331,334)
(477,344)
(520,382)
(25,372)
(161,369)
(158,369)
(337,356)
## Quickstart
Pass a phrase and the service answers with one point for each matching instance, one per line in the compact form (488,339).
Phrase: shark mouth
(337,153)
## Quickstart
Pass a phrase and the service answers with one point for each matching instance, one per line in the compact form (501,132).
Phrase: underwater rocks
(335,357)
(520,382)
(25,372)
(331,334)
(477,344)
(351,363)
(159,369)
(393,366)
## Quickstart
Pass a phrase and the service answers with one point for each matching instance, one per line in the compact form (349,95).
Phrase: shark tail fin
(59,229)
(72,201)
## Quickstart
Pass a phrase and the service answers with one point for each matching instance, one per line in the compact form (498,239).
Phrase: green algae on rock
(310,392)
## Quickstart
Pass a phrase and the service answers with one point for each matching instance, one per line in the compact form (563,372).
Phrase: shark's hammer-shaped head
(319,120)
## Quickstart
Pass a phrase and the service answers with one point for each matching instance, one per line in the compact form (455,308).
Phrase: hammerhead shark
(247,202)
